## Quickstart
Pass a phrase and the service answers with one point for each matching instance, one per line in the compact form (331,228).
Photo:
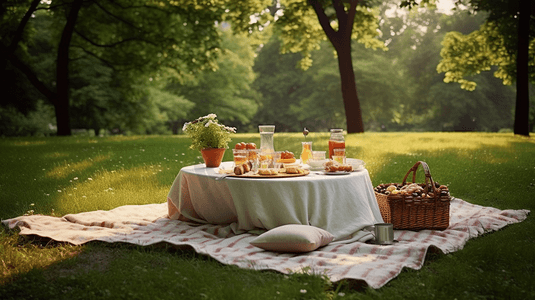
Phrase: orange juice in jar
(306,152)
(336,141)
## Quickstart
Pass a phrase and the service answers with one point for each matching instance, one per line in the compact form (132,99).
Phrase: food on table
(240,146)
(238,170)
(243,168)
(269,171)
(245,146)
(240,159)
(286,157)
(334,166)
(411,189)
(294,170)
(247,166)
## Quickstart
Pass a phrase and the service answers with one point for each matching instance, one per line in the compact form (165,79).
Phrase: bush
(40,122)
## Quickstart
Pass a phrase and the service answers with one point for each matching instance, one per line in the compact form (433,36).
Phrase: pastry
(247,166)
(334,166)
(268,172)
(294,170)
(238,170)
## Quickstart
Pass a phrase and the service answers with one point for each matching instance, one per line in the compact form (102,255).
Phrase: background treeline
(252,83)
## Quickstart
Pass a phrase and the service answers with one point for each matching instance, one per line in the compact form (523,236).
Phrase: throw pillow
(293,238)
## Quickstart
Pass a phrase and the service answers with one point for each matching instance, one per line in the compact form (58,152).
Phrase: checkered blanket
(373,264)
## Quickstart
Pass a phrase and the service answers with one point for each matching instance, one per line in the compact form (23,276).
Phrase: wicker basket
(416,212)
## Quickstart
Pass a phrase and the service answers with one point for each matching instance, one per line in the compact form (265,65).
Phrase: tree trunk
(341,41)
(62,71)
(521,126)
(349,89)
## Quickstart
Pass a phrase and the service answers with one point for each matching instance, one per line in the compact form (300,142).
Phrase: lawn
(61,175)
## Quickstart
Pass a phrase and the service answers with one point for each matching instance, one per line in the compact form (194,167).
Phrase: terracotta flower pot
(213,156)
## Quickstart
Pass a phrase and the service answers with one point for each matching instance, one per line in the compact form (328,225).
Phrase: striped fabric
(373,264)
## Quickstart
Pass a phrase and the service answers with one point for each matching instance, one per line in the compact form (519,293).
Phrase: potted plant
(209,137)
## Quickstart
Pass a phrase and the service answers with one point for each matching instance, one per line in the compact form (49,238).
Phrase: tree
(505,40)
(132,36)
(225,90)
(340,22)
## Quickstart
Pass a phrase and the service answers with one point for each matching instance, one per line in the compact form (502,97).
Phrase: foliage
(206,132)
(400,88)
(301,32)
(468,55)
(131,37)
(38,122)
(226,89)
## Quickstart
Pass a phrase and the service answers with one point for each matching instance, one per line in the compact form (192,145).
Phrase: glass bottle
(336,141)
(306,152)
(266,138)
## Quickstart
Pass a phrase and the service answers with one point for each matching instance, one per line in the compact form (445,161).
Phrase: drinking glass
(240,156)
(339,155)
(253,155)
(277,159)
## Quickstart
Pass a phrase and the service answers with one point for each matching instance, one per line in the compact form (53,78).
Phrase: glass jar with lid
(336,141)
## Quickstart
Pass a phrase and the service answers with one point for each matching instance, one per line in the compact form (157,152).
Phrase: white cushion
(293,238)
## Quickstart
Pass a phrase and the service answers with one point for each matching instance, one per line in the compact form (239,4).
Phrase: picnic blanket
(374,264)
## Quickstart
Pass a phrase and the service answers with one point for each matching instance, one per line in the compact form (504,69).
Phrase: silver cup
(383,233)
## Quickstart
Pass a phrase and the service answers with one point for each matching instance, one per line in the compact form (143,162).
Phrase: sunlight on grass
(29,143)
(29,256)
(376,149)
(109,189)
(68,168)
(56,155)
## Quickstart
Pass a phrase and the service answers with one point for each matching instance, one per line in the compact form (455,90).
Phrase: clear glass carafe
(266,138)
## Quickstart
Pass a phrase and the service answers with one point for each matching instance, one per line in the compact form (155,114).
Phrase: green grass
(57,176)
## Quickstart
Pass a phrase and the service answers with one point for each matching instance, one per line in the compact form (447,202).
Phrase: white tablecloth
(340,204)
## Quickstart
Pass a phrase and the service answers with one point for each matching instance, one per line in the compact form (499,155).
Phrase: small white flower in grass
(89,178)
(341,294)
(303,291)
(59,191)
(32,204)
(75,178)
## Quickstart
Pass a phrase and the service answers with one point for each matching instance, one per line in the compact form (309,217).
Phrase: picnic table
(341,204)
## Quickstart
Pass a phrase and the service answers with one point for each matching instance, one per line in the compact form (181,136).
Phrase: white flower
(185,126)
(303,291)
(230,129)
(211,116)
(210,122)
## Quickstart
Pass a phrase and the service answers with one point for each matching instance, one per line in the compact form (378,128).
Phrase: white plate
(358,164)
(337,173)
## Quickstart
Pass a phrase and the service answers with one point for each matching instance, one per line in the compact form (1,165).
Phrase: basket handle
(428,179)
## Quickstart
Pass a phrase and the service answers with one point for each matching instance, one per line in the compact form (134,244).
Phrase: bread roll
(238,170)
